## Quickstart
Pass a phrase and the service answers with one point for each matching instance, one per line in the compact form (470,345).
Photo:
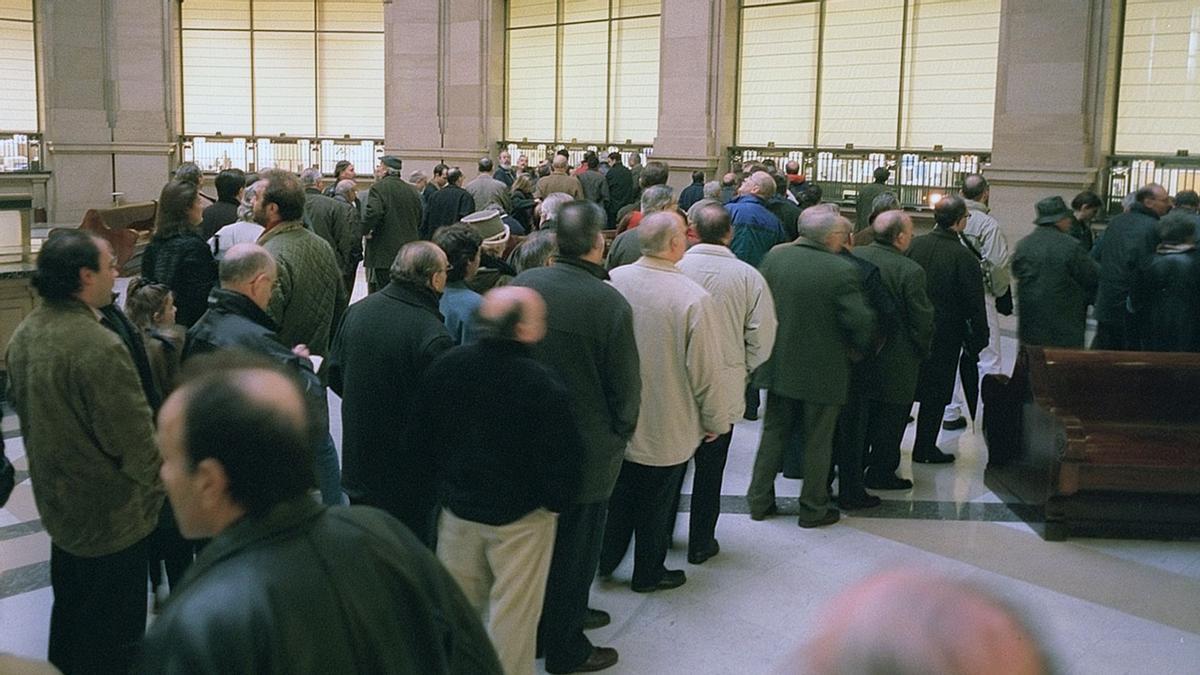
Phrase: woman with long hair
(522,201)
(177,256)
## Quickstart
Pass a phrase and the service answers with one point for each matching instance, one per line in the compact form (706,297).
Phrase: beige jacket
(746,314)
(675,325)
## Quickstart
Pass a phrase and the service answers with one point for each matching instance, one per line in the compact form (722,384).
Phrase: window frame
(37,76)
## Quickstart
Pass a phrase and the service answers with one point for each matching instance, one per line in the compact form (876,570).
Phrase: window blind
(1159,100)
(18,68)
(633,80)
(860,73)
(215,14)
(778,75)
(582,85)
(216,82)
(351,84)
(530,101)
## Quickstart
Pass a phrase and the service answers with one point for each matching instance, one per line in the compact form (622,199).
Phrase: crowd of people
(520,398)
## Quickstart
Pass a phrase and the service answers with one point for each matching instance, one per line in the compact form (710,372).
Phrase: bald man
(504,483)
(237,467)
(910,623)
(755,228)
(559,181)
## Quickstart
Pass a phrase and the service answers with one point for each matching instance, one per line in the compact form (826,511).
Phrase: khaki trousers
(502,570)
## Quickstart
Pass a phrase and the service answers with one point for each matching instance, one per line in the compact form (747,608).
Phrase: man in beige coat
(678,342)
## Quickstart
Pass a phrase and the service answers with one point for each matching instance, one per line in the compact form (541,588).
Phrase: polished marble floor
(1100,605)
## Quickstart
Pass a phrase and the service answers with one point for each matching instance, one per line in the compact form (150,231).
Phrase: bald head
(349,189)
(663,234)
(559,163)
(893,228)
(250,270)
(759,183)
(823,226)
(512,313)
(421,262)
(911,623)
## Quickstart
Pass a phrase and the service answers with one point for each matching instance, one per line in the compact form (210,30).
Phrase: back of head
(593,162)
(810,195)
(657,198)
(1178,226)
(817,223)
(792,168)
(697,176)
(453,175)
(189,172)
(948,212)
(250,417)
(461,244)
(543,170)
(311,177)
(1086,199)
(229,182)
(1187,199)
(883,202)
(881,174)
(974,187)
(559,163)
(174,208)
(780,184)
(61,257)
(578,223)
(711,221)
(511,313)
(536,250)
(283,189)
(485,165)
(614,157)
(348,188)
(712,189)
(417,262)
(1148,191)
(552,204)
(242,263)
(654,173)
(889,224)
(143,300)
(656,231)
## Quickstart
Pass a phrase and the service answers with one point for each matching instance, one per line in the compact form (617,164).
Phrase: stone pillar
(697,81)
(444,81)
(1054,104)
(109,101)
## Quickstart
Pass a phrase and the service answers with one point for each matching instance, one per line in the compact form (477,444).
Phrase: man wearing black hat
(1056,280)
(392,220)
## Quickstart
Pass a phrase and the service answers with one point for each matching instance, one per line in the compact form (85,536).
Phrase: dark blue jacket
(755,229)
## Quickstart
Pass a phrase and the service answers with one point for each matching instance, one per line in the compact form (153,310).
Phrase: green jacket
(87,428)
(862,205)
(892,373)
(392,220)
(822,315)
(336,222)
(309,297)
(1056,281)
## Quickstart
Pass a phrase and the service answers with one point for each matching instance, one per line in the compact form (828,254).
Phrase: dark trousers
(420,516)
(99,612)
(641,506)
(782,416)
(377,278)
(885,432)
(929,423)
(752,398)
(849,443)
(167,548)
(573,566)
(706,491)
(1112,335)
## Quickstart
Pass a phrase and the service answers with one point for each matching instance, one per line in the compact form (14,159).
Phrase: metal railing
(536,152)
(916,175)
(217,153)
(1125,174)
(20,152)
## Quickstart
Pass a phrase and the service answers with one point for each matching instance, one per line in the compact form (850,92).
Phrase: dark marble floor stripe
(896,509)
(24,579)
(20,529)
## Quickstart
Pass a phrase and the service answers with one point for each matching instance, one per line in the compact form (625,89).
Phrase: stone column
(109,101)
(1054,104)
(444,81)
(697,81)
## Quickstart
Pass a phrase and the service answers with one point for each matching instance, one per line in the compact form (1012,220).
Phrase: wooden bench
(127,228)
(1099,443)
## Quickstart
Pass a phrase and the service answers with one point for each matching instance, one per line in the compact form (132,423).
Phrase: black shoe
(831,516)
(911,419)
(771,510)
(670,579)
(599,659)
(955,424)
(750,414)
(863,501)
(889,482)
(698,557)
(596,618)
(932,456)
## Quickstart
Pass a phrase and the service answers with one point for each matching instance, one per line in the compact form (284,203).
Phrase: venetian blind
(18,67)
(860,73)
(950,74)
(777,82)
(633,80)
(1159,100)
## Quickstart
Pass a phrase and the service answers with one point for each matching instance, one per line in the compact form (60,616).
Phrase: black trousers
(885,432)
(641,506)
(929,424)
(577,544)
(706,491)
(849,443)
(752,398)
(377,278)
(167,548)
(99,612)
(1112,335)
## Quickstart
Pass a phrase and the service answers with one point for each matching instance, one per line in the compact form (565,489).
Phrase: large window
(879,74)
(18,68)
(582,71)
(1159,100)
(304,68)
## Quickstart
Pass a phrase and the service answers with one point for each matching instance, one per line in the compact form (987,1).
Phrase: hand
(301,350)
(709,438)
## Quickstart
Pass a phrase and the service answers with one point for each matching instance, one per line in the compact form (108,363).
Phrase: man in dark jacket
(955,285)
(692,193)
(503,484)
(620,187)
(237,319)
(1129,239)
(589,341)
(1165,293)
(283,575)
(867,195)
(1056,280)
(392,220)
(783,209)
(230,184)
(755,229)
(385,343)
(334,220)
(448,205)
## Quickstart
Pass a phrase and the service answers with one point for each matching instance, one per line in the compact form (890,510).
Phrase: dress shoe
(863,501)
(889,482)
(596,618)
(955,424)
(831,516)
(599,659)
(932,456)
(698,557)
(670,579)
(771,510)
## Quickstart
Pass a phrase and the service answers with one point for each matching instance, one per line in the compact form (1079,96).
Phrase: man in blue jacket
(755,228)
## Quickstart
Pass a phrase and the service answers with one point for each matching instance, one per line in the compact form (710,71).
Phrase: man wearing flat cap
(1056,280)
(392,220)
(493,271)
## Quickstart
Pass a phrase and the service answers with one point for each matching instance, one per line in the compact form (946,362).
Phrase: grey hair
(189,172)
(656,231)
(417,262)
(888,225)
(817,223)
(535,251)
(243,262)
(552,203)
(345,187)
(311,176)
(712,189)
(1128,201)
(416,177)
(657,198)
(245,211)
